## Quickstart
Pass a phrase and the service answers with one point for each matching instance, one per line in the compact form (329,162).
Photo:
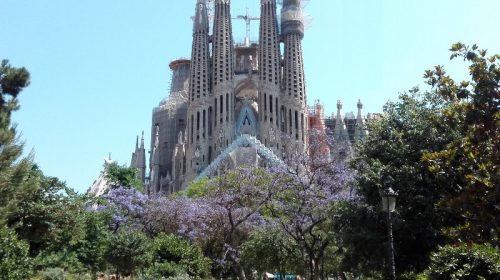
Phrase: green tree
(465,262)
(174,257)
(92,247)
(128,252)
(468,168)
(390,156)
(15,264)
(122,176)
(50,217)
(14,170)
(42,210)
(269,249)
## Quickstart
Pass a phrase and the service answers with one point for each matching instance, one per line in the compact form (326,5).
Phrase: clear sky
(99,67)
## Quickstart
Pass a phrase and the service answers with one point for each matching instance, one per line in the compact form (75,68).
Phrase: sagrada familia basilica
(233,103)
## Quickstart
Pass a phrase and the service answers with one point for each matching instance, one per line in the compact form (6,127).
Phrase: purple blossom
(127,205)
(312,182)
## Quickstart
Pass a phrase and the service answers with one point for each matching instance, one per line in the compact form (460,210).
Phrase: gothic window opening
(227,106)
(215,113)
(210,121)
(277,119)
(204,122)
(192,128)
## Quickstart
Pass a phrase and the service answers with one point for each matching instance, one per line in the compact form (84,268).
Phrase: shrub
(14,260)
(465,262)
(174,257)
(128,251)
(52,260)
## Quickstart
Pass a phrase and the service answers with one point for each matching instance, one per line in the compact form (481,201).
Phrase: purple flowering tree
(195,219)
(219,218)
(314,185)
(239,196)
(127,207)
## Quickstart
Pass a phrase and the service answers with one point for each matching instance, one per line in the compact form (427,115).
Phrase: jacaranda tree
(314,186)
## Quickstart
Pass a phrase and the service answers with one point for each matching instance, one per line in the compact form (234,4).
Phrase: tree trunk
(316,273)
(241,272)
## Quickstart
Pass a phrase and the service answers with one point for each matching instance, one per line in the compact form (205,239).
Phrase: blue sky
(99,67)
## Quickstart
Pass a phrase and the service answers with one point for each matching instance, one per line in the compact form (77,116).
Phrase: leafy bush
(14,261)
(174,257)
(465,262)
(128,251)
(64,259)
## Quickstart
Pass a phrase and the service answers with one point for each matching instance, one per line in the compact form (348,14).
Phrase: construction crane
(248,20)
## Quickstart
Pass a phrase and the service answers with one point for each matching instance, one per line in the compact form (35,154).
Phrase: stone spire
(201,17)
(269,72)
(199,81)
(222,77)
(134,157)
(154,168)
(199,110)
(139,159)
(142,140)
(294,96)
(340,133)
(222,47)
(360,131)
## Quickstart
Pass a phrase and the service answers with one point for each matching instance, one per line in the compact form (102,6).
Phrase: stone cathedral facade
(233,104)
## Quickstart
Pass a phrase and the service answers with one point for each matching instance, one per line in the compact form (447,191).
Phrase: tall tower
(199,91)
(294,109)
(222,78)
(269,74)
(139,159)
(360,131)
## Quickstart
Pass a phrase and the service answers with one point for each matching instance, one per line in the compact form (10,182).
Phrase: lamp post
(388,205)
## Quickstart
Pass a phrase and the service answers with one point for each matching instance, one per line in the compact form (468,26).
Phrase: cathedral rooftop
(175,63)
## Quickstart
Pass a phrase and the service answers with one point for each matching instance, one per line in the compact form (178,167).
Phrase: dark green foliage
(391,157)
(363,239)
(122,176)
(128,251)
(12,80)
(42,210)
(15,264)
(468,169)
(14,181)
(173,257)
(271,250)
(91,249)
(65,259)
(48,218)
(465,262)
(59,228)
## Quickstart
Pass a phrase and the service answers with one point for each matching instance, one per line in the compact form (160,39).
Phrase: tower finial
(142,139)
(201,17)
(292,19)
(360,131)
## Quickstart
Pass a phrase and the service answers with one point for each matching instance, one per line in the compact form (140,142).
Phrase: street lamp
(388,205)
